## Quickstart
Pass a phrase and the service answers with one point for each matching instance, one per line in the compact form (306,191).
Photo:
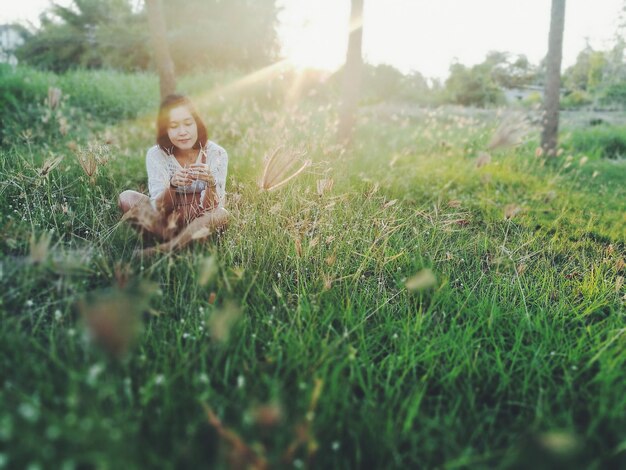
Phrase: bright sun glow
(308,54)
(314,35)
(428,36)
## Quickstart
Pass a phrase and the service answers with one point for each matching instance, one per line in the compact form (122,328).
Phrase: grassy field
(421,310)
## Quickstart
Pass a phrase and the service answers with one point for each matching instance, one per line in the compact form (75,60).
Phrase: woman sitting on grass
(186,180)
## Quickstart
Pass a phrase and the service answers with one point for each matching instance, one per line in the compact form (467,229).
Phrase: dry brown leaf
(559,442)
(223,320)
(330,260)
(511,210)
(422,280)
(208,270)
(268,415)
(39,248)
(113,318)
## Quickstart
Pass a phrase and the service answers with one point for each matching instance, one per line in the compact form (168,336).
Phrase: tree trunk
(158,33)
(351,74)
(549,134)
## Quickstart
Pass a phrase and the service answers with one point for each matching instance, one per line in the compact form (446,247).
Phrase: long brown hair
(163,120)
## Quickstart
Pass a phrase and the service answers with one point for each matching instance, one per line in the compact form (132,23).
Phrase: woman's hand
(200,171)
(181,178)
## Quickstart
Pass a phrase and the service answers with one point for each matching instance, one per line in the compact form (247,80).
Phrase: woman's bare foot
(208,224)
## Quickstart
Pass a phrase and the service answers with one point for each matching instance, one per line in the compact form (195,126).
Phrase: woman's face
(182,129)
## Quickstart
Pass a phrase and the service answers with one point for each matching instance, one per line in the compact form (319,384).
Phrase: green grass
(602,141)
(514,358)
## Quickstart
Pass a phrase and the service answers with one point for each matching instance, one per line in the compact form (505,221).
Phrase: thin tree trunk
(158,33)
(352,73)
(549,134)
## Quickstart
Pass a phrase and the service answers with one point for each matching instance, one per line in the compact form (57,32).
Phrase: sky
(421,35)
(428,35)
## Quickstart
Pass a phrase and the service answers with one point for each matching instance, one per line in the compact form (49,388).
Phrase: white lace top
(161,166)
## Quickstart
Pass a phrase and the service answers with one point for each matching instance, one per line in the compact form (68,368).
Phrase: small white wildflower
(93,373)
(335,446)
(58,315)
(203,378)
(241,381)
(29,303)
(127,383)
(159,379)
(28,412)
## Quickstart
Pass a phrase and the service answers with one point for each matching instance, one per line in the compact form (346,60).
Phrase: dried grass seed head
(281,166)
(510,133)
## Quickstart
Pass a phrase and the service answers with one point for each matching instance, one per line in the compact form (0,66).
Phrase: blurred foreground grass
(295,328)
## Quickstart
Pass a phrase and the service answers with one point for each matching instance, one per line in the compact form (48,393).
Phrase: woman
(186,181)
